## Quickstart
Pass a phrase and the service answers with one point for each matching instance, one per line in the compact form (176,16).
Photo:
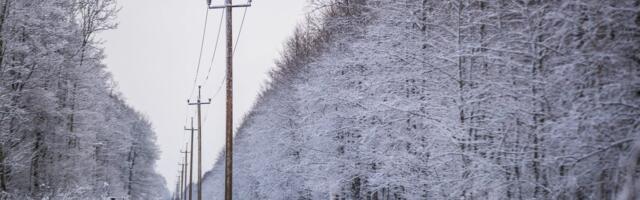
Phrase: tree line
(65,132)
(453,99)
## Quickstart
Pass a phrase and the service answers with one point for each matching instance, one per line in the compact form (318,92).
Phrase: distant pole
(185,171)
(198,104)
(180,180)
(228,170)
(191,166)
(176,194)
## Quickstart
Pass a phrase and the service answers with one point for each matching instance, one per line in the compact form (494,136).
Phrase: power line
(215,48)
(234,52)
(195,78)
(240,31)
(204,32)
(206,116)
(216,45)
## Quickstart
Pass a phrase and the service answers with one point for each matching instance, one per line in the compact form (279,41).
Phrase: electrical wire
(217,40)
(239,31)
(195,78)
(215,49)
(233,53)
(204,33)
(214,96)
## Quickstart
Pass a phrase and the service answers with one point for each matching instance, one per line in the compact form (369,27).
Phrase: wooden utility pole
(180,182)
(191,161)
(228,170)
(198,104)
(185,171)
(176,195)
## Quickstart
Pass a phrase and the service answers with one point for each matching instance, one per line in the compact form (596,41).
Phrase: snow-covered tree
(64,133)
(455,99)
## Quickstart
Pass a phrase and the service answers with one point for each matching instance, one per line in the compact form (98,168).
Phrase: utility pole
(191,161)
(180,181)
(176,195)
(198,104)
(228,170)
(185,171)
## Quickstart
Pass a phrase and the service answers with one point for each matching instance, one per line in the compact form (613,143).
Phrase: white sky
(153,56)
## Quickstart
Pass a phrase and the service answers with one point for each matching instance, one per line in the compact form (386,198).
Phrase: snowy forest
(65,132)
(451,99)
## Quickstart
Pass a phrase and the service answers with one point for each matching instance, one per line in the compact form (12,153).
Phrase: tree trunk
(3,17)
(3,180)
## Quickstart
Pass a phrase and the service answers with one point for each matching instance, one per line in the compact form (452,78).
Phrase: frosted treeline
(64,132)
(468,99)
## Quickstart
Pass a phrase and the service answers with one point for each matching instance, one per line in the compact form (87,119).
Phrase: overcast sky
(153,55)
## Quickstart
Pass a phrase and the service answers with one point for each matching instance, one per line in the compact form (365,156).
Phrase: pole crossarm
(198,103)
(230,6)
(190,129)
